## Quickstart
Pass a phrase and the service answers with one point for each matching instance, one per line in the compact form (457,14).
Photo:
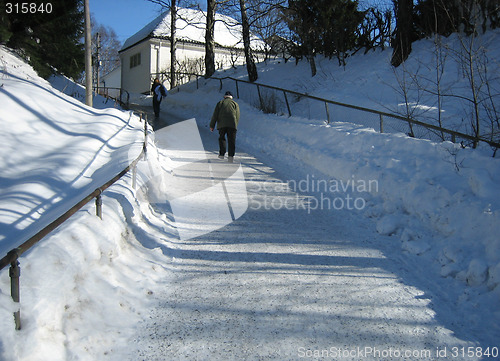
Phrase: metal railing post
(327,113)
(98,204)
(287,104)
(145,144)
(381,123)
(15,273)
(260,97)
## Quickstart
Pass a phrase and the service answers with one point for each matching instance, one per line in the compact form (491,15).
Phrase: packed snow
(353,242)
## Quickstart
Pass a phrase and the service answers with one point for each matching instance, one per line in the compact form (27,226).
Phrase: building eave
(135,44)
(184,41)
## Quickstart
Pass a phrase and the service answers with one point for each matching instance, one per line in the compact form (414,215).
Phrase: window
(135,60)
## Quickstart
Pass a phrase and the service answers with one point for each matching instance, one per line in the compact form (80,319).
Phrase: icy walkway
(285,283)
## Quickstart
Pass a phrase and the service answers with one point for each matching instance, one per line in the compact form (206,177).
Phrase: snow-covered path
(287,283)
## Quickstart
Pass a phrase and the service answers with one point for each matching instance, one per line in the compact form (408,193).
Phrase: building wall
(137,78)
(112,79)
(155,62)
(185,53)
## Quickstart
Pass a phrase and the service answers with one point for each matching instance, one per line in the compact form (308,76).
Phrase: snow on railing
(12,257)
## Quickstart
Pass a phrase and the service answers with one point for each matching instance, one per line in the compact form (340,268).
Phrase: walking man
(158,91)
(227,116)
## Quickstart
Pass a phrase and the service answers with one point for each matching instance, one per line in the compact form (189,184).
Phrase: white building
(146,54)
(111,79)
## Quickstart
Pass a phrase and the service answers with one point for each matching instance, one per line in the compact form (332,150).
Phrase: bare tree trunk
(474,85)
(209,40)
(312,64)
(173,43)
(404,22)
(251,68)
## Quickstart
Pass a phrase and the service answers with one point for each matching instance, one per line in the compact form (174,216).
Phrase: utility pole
(88,56)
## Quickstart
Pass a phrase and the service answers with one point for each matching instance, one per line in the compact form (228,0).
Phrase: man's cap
(228,93)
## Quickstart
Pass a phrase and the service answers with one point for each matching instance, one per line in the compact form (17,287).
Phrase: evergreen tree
(302,17)
(51,38)
(404,34)
(327,27)
(444,17)
(5,32)
(340,21)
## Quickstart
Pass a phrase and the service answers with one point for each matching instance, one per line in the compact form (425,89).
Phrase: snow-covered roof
(191,28)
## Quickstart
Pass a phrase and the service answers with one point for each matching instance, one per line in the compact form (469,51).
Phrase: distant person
(158,91)
(227,116)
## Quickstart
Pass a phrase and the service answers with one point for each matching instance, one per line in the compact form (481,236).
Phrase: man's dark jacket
(226,114)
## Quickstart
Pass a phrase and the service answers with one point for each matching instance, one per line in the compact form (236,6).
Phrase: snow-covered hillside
(91,290)
(369,81)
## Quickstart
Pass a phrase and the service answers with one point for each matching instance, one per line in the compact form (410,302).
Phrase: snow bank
(55,150)
(85,287)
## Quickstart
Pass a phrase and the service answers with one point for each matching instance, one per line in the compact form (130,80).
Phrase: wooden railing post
(381,123)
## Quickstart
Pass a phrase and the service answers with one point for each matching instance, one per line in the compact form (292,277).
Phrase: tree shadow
(28,211)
